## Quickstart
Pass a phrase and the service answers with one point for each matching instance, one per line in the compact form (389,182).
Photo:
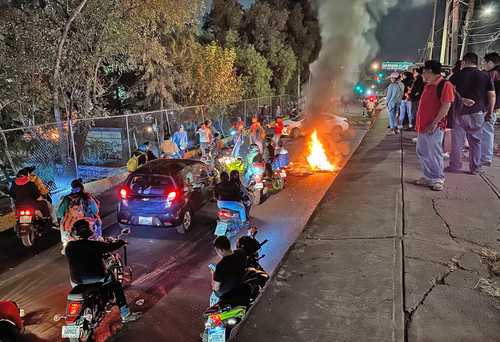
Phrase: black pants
(117,289)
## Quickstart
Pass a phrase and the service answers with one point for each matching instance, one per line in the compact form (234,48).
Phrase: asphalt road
(170,270)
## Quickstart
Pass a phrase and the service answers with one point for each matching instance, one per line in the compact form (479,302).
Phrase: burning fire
(317,158)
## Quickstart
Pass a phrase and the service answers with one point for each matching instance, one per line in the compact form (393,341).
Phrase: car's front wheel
(186,222)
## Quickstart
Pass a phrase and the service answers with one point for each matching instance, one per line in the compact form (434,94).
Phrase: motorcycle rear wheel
(28,239)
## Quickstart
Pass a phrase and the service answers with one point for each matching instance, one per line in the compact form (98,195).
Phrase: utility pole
(468,18)
(455,25)
(446,29)
(432,40)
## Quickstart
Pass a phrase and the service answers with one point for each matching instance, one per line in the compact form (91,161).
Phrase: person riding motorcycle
(85,259)
(44,192)
(25,192)
(251,157)
(228,273)
(75,206)
(234,177)
(229,196)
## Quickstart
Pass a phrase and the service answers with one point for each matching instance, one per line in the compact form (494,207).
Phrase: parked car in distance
(165,193)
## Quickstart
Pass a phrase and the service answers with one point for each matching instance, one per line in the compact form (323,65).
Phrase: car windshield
(151,185)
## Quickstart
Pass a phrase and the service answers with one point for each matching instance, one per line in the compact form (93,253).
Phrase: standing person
(277,113)
(416,92)
(405,106)
(492,66)
(238,128)
(279,126)
(257,134)
(394,94)
(168,148)
(431,121)
(180,138)
(205,138)
(78,205)
(471,83)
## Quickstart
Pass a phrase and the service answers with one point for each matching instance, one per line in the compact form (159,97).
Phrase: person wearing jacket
(394,94)
(492,66)
(416,92)
(25,192)
(405,106)
(68,212)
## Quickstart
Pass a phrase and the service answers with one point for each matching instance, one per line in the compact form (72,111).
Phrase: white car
(293,126)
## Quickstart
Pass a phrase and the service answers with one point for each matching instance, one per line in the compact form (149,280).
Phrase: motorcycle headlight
(232,321)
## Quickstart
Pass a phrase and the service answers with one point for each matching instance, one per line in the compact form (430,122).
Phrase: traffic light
(359,89)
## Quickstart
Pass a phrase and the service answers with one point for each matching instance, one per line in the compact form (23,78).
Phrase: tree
(254,72)
(223,21)
(214,77)
(265,28)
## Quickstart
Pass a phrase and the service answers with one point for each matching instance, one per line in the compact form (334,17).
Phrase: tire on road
(186,222)
(28,239)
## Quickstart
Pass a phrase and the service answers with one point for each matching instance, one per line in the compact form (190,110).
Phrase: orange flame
(317,158)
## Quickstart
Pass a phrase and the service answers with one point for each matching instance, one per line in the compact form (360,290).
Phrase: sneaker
(414,140)
(486,163)
(446,155)
(437,186)
(131,317)
(422,182)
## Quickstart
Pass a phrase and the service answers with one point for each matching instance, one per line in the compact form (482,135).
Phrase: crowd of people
(464,103)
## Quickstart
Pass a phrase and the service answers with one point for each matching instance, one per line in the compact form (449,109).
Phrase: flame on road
(317,158)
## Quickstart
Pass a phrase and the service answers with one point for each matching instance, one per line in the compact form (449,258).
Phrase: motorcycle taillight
(224,214)
(72,311)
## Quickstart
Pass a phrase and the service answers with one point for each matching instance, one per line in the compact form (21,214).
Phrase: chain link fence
(95,148)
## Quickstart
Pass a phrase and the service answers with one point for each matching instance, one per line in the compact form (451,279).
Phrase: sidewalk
(384,260)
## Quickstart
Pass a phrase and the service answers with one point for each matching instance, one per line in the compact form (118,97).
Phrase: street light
(375,66)
(488,10)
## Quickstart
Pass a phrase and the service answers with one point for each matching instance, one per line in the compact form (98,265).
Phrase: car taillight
(72,311)
(123,193)
(171,195)
(25,213)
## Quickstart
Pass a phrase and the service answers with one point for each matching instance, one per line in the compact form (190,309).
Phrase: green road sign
(396,65)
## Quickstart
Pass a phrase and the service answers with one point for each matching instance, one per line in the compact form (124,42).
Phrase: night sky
(414,22)
(404,30)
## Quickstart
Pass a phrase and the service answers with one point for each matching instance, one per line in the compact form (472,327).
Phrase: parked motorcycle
(221,318)
(30,224)
(87,303)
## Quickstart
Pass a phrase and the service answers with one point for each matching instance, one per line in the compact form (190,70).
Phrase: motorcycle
(221,318)
(87,304)
(30,224)
(257,182)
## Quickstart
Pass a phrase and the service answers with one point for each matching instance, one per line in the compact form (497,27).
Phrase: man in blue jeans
(492,66)
(473,84)
(431,121)
(393,99)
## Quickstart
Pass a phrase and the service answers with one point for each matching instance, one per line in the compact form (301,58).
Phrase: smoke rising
(348,41)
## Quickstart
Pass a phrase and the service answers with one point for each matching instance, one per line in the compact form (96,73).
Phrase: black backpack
(457,105)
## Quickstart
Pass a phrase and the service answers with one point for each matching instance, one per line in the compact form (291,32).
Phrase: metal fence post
(128,137)
(72,137)
(245,110)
